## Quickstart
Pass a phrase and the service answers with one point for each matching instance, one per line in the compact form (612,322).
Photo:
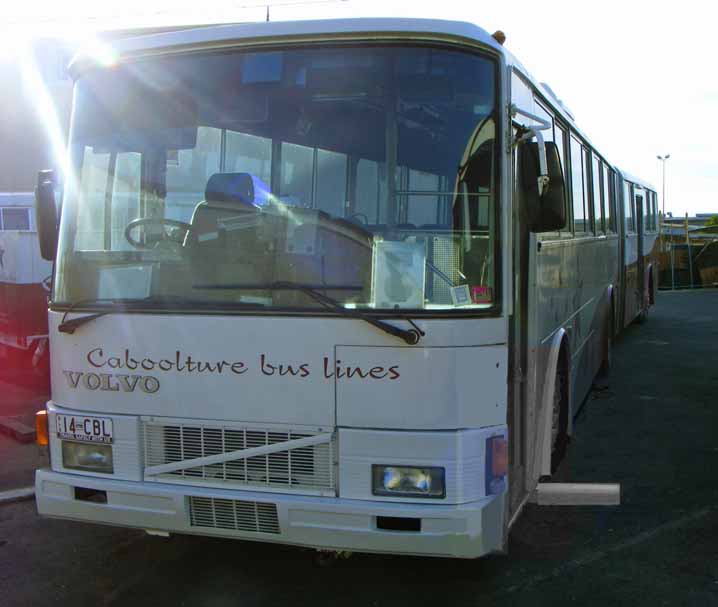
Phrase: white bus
(24,287)
(336,284)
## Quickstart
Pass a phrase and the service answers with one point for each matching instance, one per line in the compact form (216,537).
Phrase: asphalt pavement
(654,429)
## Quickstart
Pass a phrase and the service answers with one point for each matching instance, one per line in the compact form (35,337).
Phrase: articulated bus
(339,284)
(24,287)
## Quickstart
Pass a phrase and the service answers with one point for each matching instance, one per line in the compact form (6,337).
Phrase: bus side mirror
(46,215)
(547,211)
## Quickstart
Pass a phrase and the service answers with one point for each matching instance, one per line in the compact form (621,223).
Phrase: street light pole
(663,166)
(663,208)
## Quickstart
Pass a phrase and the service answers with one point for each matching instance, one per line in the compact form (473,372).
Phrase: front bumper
(466,531)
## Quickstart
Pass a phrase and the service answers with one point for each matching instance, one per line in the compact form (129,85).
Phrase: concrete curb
(16,495)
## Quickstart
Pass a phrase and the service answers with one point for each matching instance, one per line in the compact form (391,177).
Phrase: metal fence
(688,265)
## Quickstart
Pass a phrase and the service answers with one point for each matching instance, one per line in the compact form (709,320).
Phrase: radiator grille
(216,513)
(309,468)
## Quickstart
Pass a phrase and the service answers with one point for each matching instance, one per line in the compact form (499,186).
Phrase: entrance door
(518,353)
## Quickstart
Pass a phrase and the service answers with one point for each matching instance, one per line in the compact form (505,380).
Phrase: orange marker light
(42,432)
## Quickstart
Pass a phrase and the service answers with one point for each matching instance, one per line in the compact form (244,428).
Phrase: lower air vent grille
(236,515)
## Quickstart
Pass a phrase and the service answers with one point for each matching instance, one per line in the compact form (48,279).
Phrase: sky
(638,76)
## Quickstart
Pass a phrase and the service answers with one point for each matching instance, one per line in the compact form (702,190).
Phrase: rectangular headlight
(408,481)
(92,457)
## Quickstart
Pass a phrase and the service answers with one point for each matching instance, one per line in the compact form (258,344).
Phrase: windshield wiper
(410,336)
(122,304)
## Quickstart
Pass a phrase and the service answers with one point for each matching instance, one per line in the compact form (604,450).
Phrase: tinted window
(15,219)
(577,187)
(597,200)
(587,189)
(560,139)
(608,186)
(628,207)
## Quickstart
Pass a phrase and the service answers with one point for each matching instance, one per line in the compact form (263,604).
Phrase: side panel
(23,298)
(572,292)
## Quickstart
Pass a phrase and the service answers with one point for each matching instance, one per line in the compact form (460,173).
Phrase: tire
(559,419)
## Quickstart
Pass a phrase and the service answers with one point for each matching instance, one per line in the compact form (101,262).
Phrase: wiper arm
(410,336)
(69,326)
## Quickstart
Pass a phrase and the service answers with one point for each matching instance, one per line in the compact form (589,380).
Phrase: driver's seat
(226,195)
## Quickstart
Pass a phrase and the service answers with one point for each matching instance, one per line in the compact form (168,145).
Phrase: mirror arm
(528,132)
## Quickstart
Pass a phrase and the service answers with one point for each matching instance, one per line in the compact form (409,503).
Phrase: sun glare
(37,93)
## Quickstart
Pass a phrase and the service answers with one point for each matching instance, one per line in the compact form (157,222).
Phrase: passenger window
(90,233)
(560,139)
(370,192)
(331,184)
(590,220)
(630,216)
(247,153)
(188,171)
(577,187)
(597,197)
(14,218)
(423,198)
(296,185)
(126,199)
(640,218)
(609,178)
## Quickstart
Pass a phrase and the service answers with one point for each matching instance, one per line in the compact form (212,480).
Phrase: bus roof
(222,35)
(637,180)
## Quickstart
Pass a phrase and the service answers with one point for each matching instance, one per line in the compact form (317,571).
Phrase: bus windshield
(367,172)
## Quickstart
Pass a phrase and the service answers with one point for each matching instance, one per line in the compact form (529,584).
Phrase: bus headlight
(92,457)
(407,481)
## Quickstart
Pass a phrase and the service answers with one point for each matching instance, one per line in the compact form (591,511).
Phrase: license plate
(81,428)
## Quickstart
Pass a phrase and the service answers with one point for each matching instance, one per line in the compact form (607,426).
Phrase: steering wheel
(159,221)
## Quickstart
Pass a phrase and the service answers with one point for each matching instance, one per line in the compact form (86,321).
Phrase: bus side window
(651,215)
(597,197)
(609,181)
(640,221)
(14,218)
(561,142)
(630,215)
(590,220)
(646,213)
(578,188)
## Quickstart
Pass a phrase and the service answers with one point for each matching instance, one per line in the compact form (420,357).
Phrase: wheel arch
(559,353)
